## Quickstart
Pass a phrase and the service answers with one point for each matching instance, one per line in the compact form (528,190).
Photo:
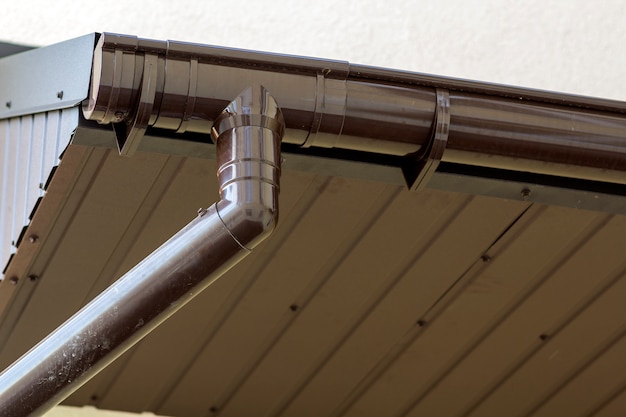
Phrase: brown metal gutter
(248,136)
(137,84)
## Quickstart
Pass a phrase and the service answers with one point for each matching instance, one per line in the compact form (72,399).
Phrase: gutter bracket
(130,133)
(420,167)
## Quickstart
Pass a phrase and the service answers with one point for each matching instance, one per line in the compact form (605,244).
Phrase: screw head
(33,238)
(60,95)
(526,193)
(33,278)
(13,280)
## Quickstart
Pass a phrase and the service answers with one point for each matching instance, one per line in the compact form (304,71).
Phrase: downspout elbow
(247,135)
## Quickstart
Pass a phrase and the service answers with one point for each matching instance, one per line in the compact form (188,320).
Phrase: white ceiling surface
(573,46)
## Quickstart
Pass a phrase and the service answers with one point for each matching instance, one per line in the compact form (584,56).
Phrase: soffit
(367,300)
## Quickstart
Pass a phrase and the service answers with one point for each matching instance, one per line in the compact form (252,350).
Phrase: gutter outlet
(248,136)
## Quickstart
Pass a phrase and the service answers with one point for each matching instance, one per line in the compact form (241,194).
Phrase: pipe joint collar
(253,107)
(248,135)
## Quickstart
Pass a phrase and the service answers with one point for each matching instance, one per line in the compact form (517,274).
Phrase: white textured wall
(575,46)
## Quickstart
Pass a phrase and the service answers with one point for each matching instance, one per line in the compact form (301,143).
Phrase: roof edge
(61,83)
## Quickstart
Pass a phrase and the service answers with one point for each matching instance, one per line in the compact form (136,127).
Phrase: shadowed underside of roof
(369,300)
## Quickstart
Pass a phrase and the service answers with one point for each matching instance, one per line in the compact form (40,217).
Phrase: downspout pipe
(335,104)
(248,135)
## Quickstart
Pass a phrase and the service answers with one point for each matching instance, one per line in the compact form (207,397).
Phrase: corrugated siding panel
(30,149)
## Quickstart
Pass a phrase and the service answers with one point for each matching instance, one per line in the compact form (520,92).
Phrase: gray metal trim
(44,79)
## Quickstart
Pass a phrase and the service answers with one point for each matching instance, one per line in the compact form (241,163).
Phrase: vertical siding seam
(28,172)
(45,145)
(57,152)
(4,185)
(15,211)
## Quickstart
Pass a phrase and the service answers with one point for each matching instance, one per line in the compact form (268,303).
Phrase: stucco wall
(574,46)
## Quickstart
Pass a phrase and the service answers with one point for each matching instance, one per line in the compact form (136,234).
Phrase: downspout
(334,104)
(248,135)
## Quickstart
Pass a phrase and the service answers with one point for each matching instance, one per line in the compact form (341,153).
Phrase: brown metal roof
(368,300)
